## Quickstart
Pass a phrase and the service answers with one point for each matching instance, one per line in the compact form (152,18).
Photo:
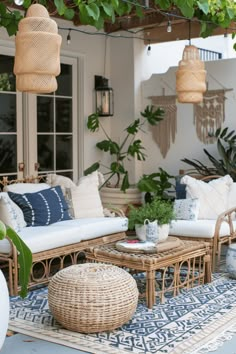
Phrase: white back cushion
(86,198)
(213,196)
(23,188)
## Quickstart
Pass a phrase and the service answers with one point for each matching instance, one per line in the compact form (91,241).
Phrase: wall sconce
(104,97)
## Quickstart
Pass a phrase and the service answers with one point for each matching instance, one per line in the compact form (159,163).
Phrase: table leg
(150,288)
(207,260)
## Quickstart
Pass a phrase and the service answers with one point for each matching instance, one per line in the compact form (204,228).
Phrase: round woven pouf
(92,297)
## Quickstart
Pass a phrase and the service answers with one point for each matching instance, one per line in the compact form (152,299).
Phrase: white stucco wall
(220,74)
(129,71)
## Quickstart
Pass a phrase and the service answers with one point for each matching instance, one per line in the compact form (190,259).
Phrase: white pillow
(57,180)
(9,214)
(86,198)
(213,196)
(186,209)
(23,188)
(232,196)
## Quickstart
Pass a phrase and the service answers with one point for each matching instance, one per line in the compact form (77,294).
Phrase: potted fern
(25,262)
(116,177)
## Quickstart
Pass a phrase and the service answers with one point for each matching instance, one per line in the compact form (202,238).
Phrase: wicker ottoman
(92,297)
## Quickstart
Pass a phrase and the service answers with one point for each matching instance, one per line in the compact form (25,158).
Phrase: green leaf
(163,4)
(153,115)
(69,14)
(108,9)
(204,6)
(61,8)
(93,11)
(109,145)
(116,167)
(135,150)
(125,183)
(93,122)
(133,127)
(139,11)
(186,7)
(24,258)
(92,168)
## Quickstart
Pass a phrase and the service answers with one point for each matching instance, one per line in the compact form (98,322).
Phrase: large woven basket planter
(92,297)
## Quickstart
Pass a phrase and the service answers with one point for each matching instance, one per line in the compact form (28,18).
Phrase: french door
(38,133)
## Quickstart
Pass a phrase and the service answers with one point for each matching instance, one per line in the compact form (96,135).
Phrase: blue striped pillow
(42,208)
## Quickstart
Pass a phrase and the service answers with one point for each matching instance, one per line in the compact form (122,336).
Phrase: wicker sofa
(56,244)
(207,213)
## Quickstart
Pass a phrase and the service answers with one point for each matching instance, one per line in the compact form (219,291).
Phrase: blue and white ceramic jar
(231,261)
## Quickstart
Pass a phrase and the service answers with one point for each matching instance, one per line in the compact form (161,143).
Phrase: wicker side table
(92,297)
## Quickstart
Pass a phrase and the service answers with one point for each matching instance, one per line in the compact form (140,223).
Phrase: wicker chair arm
(227,216)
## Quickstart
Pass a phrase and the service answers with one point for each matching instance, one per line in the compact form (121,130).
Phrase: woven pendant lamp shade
(37,58)
(190,77)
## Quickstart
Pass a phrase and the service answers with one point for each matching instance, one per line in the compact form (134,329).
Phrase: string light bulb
(68,38)
(169,27)
(18,2)
(149,48)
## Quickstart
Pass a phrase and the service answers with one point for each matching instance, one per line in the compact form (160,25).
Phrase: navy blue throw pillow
(42,208)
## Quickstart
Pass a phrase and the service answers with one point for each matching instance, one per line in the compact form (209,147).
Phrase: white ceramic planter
(140,231)
(4,308)
(163,232)
(231,261)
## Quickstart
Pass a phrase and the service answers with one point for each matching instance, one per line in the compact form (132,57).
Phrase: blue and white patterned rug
(197,321)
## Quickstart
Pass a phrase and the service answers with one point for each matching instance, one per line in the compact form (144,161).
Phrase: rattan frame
(216,242)
(194,256)
(48,261)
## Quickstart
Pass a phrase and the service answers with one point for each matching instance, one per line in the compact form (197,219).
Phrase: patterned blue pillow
(42,208)
(187,209)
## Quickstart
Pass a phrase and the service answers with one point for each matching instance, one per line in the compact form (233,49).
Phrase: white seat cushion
(198,228)
(42,238)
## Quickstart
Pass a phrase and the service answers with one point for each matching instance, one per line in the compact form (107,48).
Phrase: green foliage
(128,149)
(160,210)
(225,163)
(24,255)
(211,13)
(155,185)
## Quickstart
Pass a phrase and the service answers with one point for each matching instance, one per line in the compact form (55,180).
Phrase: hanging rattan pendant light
(190,77)
(37,57)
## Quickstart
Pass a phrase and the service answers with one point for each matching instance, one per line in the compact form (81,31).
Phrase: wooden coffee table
(184,266)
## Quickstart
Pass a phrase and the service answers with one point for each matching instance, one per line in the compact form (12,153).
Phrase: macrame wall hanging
(209,114)
(165,131)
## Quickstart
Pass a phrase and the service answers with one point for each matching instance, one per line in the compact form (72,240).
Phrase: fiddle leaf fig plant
(127,149)
(24,255)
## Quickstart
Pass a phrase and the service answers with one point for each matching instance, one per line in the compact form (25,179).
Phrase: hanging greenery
(211,13)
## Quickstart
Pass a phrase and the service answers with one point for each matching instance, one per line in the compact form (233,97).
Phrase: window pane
(64,81)
(7,78)
(45,114)
(63,115)
(45,152)
(7,113)
(8,163)
(64,152)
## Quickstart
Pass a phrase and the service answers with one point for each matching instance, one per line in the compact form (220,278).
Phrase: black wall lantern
(104,97)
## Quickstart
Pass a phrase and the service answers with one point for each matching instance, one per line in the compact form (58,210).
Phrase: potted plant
(116,174)
(156,184)
(159,211)
(25,262)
